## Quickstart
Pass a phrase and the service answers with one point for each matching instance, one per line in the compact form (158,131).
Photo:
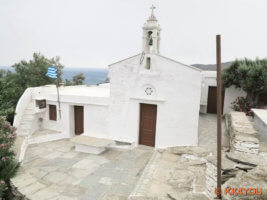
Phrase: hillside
(211,67)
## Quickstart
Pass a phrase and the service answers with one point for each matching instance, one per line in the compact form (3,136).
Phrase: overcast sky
(95,33)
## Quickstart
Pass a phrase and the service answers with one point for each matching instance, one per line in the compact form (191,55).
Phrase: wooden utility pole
(58,101)
(219,115)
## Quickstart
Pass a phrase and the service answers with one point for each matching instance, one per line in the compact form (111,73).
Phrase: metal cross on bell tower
(151,34)
(152,9)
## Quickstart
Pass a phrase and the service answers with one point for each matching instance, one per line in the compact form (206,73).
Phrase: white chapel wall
(178,91)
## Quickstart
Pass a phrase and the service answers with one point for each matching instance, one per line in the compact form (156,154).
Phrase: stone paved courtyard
(53,170)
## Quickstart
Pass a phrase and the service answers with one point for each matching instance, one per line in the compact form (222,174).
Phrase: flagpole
(57,85)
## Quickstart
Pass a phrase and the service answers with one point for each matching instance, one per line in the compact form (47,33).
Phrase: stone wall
(242,134)
(242,166)
(239,170)
(229,170)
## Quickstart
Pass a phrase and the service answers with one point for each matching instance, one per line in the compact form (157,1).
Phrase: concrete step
(27,117)
(28,111)
(23,132)
(26,122)
(25,126)
(90,144)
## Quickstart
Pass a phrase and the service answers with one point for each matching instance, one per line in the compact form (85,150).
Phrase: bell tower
(151,34)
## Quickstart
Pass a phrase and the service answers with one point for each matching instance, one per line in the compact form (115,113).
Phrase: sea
(92,76)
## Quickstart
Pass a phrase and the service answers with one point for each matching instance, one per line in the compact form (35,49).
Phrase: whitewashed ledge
(260,120)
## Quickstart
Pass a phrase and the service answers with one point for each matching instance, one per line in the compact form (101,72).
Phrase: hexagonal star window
(148,91)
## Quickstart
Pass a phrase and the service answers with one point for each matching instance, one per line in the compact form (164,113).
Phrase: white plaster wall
(208,79)
(177,95)
(261,126)
(231,94)
(95,121)
(95,110)
(62,124)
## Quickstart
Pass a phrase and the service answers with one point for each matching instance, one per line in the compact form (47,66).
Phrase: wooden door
(78,120)
(147,130)
(53,112)
(212,100)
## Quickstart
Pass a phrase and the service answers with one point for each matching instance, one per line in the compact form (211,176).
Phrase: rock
(259,173)
(247,159)
(178,195)
(226,163)
(255,178)
(198,151)
(229,170)
(181,179)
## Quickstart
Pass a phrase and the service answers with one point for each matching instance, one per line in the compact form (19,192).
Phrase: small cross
(152,8)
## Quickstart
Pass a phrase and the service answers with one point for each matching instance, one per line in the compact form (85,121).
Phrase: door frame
(222,100)
(139,123)
(75,119)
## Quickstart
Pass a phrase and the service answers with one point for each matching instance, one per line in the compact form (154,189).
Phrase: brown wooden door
(53,112)
(147,131)
(212,100)
(78,118)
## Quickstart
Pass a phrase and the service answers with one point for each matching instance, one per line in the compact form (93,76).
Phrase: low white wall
(22,104)
(260,121)
(231,94)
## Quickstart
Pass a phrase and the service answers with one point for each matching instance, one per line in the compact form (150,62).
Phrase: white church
(151,100)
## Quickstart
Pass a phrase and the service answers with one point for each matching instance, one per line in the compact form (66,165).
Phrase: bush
(8,164)
(242,104)
(250,75)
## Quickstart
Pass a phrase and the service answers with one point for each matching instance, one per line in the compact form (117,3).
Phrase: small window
(40,103)
(53,112)
(148,62)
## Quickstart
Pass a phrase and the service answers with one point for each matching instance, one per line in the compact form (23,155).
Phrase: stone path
(207,132)
(53,170)
(173,174)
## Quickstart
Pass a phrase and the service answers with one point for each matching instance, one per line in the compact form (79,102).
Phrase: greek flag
(52,72)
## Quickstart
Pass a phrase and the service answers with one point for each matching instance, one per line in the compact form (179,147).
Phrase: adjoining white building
(150,100)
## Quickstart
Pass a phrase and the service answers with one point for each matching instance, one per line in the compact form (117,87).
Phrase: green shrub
(242,104)
(8,164)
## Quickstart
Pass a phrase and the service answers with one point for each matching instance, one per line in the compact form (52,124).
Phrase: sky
(95,33)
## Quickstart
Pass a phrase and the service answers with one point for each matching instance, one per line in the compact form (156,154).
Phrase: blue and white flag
(52,72)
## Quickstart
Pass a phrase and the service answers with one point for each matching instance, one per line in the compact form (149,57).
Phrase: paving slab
(62,173)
